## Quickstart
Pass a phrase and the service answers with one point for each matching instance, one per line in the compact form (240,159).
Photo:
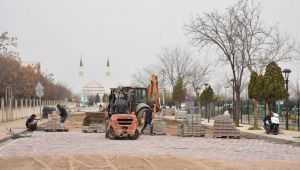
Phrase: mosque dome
(93,84)
(92,88)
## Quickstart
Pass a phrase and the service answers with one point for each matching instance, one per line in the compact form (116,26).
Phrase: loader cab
(133,96)
(141,95)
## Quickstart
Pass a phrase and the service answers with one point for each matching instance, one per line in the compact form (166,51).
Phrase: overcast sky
(129,32)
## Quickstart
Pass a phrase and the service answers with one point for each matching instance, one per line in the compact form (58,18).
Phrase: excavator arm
(153,93)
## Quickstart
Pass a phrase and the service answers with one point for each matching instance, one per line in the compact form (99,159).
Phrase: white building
(93,88)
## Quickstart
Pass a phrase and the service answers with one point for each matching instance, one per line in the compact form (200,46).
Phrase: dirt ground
(74,123)
(113,162)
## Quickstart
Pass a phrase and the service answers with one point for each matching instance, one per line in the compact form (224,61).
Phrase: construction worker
(120,105)
(148,120)
(63,113)
(31,123)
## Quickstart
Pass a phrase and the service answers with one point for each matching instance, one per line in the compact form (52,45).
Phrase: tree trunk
(255,113)
(267,109)
(238,108)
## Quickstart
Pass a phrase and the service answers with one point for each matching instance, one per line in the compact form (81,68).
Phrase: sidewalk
(286,135)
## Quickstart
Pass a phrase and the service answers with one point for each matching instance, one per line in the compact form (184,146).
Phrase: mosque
(93,88)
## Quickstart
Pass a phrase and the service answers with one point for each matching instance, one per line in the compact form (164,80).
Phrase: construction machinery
(138,100)
(121,121)
(145,97)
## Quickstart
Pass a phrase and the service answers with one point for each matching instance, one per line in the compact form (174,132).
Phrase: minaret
(81,79)
(107,77)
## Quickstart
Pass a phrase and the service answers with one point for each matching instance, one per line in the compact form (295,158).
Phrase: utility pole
(163,86)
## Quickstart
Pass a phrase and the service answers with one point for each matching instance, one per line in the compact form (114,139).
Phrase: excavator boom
(153,90)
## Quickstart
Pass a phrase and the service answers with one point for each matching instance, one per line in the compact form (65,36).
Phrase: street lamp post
(207,114)
(286,77)
(198,103)
(226,87)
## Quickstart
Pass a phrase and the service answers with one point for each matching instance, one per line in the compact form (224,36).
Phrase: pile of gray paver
(180,114)
(223,127)
(191,126)
(159,127)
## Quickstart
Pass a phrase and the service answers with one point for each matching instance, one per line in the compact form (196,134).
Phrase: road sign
(39,90)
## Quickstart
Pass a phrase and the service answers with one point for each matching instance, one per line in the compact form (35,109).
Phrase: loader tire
(136,135)
(111,134)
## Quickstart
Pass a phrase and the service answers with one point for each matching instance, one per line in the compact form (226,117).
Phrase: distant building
(93,88)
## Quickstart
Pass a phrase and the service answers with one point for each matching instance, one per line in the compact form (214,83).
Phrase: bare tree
(295,88)
(218,31)
(142,77)
(260,44)
(176,63)
(242,40)
(198,75)
(6,42)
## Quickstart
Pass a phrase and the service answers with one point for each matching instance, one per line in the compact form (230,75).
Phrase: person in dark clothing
(63,114)
(31,123)
(120,105)
(148,120)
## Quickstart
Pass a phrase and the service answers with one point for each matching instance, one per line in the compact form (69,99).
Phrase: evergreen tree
(274,85)
(256,92)
(105,98)
(207,96)
(97,99)
(179,91)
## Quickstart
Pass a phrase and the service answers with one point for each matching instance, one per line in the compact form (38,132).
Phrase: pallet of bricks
(191,126)
(223,127)
(53,124)
(159,127)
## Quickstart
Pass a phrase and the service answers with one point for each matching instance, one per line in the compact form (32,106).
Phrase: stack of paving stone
(191,126)
(159,127)
(223,127)
(180,114)
(94,128)
(53,124)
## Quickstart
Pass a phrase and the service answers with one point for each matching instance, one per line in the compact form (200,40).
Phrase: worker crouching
(31,123)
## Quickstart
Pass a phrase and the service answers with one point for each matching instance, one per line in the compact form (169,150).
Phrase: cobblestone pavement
(66,143)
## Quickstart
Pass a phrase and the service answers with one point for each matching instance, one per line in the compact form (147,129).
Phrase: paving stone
(65,143)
